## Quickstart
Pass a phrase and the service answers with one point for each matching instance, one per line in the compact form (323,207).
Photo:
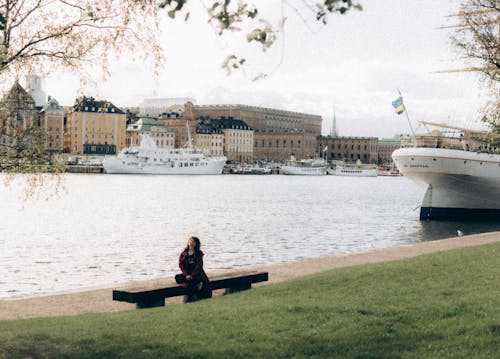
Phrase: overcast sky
(353,64)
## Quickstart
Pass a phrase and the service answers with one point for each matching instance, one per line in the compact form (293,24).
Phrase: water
(108,229)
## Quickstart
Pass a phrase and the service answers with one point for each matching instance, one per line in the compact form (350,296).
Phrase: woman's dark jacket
(193,266)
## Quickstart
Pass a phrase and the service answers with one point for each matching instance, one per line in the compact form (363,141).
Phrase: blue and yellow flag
(398,105)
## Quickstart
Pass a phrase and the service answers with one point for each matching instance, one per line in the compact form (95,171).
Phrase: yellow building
(238,141)
(95,127)
(52,122)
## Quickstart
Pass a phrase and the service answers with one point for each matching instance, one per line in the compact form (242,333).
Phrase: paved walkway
(100,300)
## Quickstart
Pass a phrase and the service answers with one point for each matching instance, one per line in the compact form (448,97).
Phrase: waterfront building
(274,130)
(237,137)
(278,147)
(163,136)
(52,122)
(386,147)
(348,149)
(95,127)
(208,138)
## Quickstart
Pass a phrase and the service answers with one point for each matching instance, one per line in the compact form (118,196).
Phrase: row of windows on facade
(99,109)
(285,130)
(365,147)
(205,143)
(160,134)
(299,142)
(238,149)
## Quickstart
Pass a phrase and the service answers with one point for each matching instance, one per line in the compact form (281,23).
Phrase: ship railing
(460,143)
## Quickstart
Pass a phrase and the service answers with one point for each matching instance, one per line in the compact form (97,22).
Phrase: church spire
(333,131)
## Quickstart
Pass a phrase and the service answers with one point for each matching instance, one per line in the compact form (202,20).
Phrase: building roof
(211,125)
(144,124)
(52,105)
(18,98)
(265,110)
(90,104)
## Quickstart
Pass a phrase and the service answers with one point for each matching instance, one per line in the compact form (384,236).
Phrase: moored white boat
(354,170)
(460,182)
(305,167)
(148,159)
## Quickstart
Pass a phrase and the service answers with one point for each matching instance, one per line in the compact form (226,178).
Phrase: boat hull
(460,185)
(362,172)
(303,171)
(115,165)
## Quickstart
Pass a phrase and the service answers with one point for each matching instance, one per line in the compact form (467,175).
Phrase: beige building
(278,147)
(238,141)
(237,137)
(95,127)
(348,149)
(210,140)
(274,130)
(52,122)
(163,136)
(385,149)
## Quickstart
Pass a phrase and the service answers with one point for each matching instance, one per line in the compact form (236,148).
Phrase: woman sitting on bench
(193,276)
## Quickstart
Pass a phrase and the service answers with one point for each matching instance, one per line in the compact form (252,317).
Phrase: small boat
(388,171)
(246,169)
(354,170)
(305,167)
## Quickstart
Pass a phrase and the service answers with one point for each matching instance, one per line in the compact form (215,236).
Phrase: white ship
(460,181)
(148,159)
(305,167)
(354,170)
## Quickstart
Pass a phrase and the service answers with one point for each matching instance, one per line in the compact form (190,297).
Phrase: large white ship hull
(115,165)
(459,184)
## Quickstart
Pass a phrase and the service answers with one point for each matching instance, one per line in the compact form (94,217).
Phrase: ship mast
(405,110)
(189,142)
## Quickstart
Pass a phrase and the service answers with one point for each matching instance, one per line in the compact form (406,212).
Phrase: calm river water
(107,229)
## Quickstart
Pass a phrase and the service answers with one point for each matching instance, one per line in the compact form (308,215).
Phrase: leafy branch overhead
(477,39)
(230,15)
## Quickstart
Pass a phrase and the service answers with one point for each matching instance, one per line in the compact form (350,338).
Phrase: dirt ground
(100,300)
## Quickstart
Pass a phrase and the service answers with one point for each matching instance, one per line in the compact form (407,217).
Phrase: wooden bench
(156,297)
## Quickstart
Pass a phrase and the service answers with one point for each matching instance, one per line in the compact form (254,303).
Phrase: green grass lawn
(444,305)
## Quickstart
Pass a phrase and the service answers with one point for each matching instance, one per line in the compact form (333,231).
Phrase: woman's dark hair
(197,244)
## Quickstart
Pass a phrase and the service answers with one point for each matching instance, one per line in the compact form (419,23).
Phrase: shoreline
(100,300)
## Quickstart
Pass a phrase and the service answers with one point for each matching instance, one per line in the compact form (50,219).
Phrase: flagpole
(414,138)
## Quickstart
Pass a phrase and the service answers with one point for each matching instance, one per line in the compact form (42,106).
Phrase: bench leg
(238,288)
(151,303)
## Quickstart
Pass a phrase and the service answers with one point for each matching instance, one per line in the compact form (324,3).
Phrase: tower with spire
(333,130)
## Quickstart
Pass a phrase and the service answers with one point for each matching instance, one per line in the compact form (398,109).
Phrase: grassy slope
(444,305)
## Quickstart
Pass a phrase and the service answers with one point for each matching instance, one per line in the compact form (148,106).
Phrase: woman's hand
(188,277)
